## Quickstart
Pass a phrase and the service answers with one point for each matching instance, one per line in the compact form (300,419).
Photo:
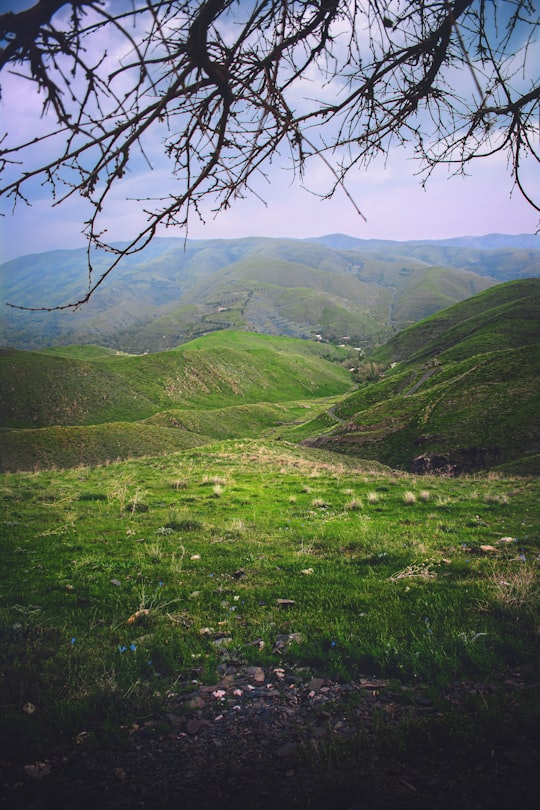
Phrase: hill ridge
(175,290)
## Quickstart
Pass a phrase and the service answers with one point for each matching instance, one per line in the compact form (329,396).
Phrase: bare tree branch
(225,85)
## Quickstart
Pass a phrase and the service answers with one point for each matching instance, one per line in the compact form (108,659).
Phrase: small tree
(229,84)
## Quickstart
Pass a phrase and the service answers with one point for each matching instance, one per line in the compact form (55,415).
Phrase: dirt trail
(422,380)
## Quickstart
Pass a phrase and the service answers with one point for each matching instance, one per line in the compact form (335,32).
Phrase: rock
(424,702)
(197,702)
(222,641)
(283,641)
(116,583)
(256,674)
(286,750)
(285,603)
(28,708)
(38,770)
(194,726)
(372,683)
(258,642)
(315,684)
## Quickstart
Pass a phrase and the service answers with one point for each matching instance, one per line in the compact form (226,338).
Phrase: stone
(38,770)
(286,750)
(194,726)
(283,640)
(256,674)
(197,702)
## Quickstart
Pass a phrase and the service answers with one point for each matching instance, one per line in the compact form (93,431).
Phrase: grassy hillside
(463,394)
(53,402)
(39,390)
(432,290)
(175,290)
(476,414)
(254,624)
(505,316)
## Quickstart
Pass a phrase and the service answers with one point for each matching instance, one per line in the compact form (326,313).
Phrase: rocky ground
(275,739)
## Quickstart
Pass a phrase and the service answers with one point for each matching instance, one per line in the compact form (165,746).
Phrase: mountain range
(334,287)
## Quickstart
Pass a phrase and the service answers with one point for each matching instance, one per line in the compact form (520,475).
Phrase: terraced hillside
(462,392)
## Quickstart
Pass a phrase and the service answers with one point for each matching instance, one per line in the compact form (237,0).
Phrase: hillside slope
(506,316)
(175,290)
(463,392)
(40,390)
(58,409)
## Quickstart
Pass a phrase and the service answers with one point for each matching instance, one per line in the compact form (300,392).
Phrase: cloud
(389,192)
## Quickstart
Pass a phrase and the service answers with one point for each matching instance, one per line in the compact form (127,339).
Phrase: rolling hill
(174,291)
(455,392)
(84,406)
(461,393)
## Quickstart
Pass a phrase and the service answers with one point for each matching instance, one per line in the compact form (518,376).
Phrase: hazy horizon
(329,234)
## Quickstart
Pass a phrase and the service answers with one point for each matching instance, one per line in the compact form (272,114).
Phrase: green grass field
(220,543)
(124,582)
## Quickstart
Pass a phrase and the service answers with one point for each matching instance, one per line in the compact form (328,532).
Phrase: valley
(275,570)
(176,290)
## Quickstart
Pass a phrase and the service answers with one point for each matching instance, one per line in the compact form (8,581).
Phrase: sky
(389,194)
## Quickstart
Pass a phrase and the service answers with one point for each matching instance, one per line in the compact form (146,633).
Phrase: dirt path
(422,380)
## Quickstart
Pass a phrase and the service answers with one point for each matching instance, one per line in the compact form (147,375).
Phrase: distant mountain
(334,286)
(492,241)
(462,391)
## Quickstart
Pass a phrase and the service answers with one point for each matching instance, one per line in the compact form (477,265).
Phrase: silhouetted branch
(223,83)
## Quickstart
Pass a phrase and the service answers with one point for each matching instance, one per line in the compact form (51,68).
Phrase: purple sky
(391,197)
(389,193)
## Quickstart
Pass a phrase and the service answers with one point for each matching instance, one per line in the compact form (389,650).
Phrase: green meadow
(171,520)
(123,583)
